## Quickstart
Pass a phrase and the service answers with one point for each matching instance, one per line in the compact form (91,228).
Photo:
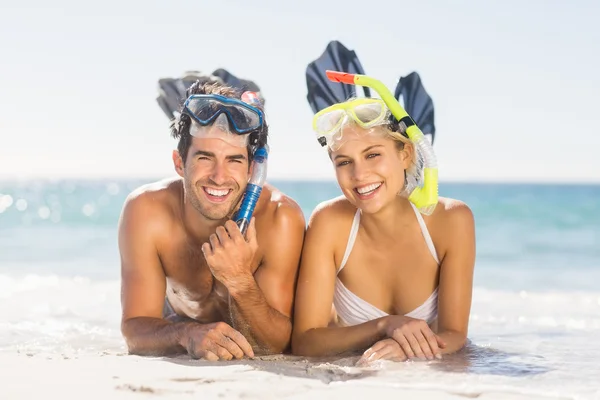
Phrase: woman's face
(369,168)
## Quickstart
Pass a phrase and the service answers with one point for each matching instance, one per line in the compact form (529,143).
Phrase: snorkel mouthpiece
(424,197)
(341,77)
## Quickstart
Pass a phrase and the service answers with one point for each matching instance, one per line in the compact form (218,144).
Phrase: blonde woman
(400,281)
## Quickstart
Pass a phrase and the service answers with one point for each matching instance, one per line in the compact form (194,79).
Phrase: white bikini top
(352,310)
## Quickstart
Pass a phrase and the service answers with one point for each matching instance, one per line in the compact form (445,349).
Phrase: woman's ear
(407,155)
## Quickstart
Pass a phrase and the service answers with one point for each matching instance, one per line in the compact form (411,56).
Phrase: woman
(400,281)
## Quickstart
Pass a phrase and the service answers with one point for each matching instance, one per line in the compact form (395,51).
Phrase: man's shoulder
(158,192)
(281,210)
(281,227)
(154,200)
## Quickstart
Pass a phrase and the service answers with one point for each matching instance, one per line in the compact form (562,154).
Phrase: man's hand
(230,256)
(414,336)
(217,341)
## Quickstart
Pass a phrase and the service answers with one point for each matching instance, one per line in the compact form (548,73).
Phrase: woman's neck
(389,220)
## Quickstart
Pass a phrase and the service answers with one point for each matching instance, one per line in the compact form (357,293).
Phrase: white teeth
(368,188)
(216,192)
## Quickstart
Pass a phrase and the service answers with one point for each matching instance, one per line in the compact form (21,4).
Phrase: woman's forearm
(335,340)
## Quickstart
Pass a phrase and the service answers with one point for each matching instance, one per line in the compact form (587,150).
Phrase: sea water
(535,318)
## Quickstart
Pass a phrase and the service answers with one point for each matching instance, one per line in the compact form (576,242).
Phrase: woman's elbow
(296,343)
(300,344)
(454,341)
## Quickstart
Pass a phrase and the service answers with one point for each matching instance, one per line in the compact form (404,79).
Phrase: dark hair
(180,129)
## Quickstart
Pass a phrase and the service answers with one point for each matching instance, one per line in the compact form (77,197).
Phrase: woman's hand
(386,349)
(414,336)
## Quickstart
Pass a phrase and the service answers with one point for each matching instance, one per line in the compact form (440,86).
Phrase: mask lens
(369,114)
(242,118)
(203,109)
(329,121)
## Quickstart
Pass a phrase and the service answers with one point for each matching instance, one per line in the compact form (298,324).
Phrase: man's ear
(178,163)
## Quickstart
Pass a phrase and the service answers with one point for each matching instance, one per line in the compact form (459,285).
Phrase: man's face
(215,176)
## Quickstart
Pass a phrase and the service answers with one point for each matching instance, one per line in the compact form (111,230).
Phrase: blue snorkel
(254,188)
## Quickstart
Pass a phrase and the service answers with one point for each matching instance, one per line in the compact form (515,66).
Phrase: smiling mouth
(216,195)
(367,191)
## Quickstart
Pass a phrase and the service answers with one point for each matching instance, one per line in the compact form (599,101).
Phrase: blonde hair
(404,143)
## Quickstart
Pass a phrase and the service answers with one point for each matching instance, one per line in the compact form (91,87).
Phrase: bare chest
(191,288)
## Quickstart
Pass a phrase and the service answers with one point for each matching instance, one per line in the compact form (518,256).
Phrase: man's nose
(219,174)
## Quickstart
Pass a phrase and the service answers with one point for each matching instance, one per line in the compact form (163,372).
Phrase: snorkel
(253,189)
(424,197)
(257,179)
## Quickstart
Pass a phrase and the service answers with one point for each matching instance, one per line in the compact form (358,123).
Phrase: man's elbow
(274,347)
(133,341)
(134,349)
(137,346)
(271,349)
(283,345)
(128,333)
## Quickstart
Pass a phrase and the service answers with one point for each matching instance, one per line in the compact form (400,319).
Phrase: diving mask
(216,116)
(330,123)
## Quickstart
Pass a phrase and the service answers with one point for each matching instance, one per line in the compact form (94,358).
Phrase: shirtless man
(190,281)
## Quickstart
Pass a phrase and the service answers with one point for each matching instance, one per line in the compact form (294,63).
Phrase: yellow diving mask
(329,122)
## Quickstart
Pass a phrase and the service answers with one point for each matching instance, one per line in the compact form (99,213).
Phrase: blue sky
(515,84)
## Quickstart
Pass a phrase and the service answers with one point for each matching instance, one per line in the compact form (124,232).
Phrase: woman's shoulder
(450,207)
(450,217)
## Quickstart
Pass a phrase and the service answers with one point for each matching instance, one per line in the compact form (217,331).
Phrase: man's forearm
(266,329)
(146,336)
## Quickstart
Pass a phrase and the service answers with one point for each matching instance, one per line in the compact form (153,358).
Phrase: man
(190,280)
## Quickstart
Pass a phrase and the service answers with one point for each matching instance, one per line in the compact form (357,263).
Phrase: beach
(119,376)
(533,330)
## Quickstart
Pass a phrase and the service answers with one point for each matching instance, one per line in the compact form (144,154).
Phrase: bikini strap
(426,234)
(351,239)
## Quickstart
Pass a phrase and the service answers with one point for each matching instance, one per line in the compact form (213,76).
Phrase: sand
(123,376)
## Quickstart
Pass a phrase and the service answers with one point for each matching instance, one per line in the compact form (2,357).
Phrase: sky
(514,83)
